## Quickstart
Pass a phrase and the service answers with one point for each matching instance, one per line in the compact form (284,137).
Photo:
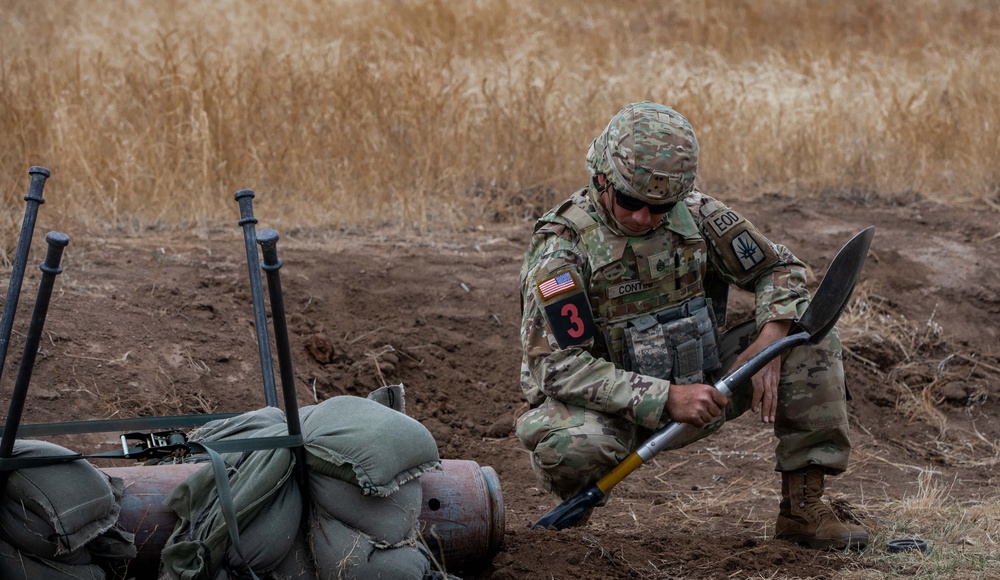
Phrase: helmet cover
(649,152)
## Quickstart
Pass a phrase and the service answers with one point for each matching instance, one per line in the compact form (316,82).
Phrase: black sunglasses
(633,204)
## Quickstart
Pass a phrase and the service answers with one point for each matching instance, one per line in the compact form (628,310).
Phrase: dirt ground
(162,324)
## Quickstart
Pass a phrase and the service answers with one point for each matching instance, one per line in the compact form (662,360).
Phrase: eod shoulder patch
(744,250)
(566,308)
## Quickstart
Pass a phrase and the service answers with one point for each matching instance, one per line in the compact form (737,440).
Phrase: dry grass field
(401,145)
(428,114)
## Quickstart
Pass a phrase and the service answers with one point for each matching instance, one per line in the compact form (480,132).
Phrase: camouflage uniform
(587,411)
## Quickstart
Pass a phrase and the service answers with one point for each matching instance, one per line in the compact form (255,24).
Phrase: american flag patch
(556,284)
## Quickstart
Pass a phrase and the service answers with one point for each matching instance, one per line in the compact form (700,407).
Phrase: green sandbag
(200,539)
(19,565)
(343,552)
(363,442)
(388,520)
(271,533)
(54,510)
(298,562)
(57,521)
(241,426)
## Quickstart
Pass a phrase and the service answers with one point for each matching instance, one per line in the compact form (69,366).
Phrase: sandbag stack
(266,501)
(58,521)
(363,462)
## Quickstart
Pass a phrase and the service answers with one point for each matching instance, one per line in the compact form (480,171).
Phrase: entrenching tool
(50,269)
(33,199)
(247,221)
(268,240)
(819,318)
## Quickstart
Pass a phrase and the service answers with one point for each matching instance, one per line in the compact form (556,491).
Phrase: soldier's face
(638,221)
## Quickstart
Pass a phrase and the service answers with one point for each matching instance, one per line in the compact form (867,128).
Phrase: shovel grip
(627,466)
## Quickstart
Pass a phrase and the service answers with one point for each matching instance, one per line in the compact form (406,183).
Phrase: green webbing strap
(226,500)
(108,425)
(232,446)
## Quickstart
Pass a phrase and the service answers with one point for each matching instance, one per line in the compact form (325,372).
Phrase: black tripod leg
(247,221)
(33,199)
(268,240)
(50,269)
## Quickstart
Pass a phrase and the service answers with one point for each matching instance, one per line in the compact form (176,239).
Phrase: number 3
(573,314)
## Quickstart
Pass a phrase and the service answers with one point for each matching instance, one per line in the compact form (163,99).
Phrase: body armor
(647,294)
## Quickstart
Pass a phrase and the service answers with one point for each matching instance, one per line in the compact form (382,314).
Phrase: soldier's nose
(642,216)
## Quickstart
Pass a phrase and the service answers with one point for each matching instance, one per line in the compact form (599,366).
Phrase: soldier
(623,292)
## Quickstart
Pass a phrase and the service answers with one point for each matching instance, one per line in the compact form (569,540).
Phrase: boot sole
(854,541)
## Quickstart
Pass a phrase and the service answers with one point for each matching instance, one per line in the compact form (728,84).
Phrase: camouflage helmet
(648,152)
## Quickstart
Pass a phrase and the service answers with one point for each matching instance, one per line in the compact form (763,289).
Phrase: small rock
(502,427)
(46,394)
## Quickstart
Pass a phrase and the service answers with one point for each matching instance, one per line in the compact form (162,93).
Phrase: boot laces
(814,505)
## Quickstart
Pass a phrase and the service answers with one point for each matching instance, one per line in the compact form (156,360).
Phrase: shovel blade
(570,512)
(835,289)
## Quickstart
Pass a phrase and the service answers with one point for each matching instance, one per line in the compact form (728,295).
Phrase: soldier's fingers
(766,396)
(720,399)
(713,403)
(758,394)
(774,403)
(767,407)
(772,388)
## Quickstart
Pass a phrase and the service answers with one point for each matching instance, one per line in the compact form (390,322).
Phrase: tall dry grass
(430,114)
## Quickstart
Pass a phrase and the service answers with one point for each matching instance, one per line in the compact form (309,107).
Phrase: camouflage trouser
(572,447)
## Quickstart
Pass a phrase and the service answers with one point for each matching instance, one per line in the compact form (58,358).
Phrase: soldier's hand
(696,404)
(765,382)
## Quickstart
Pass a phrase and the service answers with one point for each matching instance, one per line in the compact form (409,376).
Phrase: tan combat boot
(804,517)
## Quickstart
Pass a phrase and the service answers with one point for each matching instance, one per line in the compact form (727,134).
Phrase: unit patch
(567,309)
(747,250)
(724,221)
(741,247)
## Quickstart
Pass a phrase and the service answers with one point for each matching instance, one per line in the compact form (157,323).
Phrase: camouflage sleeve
(781,293)
(572,374)
(742,256)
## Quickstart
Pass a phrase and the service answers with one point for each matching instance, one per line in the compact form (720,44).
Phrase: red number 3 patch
(576,325)
(571,320)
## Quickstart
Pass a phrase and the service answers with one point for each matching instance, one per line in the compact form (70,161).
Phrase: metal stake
(268,240)
(50,269)
(247,221)
(33,199)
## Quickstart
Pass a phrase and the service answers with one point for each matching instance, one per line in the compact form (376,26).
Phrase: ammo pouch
(679,344)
